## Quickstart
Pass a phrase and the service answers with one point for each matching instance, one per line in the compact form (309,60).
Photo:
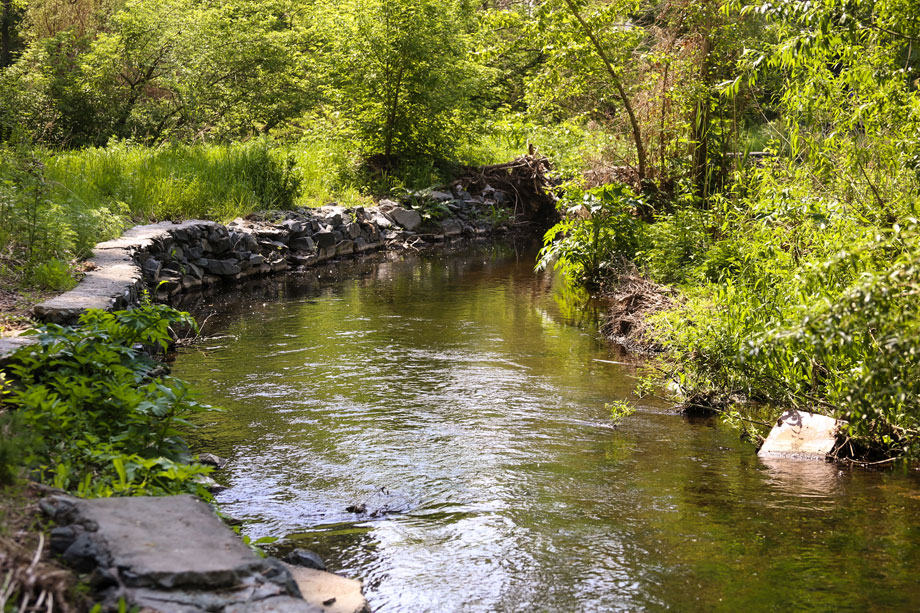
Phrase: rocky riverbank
(167,259)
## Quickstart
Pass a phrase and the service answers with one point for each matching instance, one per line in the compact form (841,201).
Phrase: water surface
(460,398)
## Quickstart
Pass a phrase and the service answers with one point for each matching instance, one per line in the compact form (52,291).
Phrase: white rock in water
(799,435)
(333,593)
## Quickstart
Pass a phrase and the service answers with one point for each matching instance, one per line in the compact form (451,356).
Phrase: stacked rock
(168,259)
(208,253)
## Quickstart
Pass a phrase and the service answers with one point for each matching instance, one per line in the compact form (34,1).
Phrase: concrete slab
(801,436)
(168,554)
(111,287)
(334,594)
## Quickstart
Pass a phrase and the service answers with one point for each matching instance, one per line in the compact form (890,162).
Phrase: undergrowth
(217,181)
(787,298)
(57,205)
(88,410)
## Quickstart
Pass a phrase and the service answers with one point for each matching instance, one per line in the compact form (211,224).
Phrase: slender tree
(618,85)
(6,34)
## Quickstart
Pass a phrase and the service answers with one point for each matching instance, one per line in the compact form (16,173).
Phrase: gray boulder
(324,239)
(302,244)
(221,244)
(293,226)
(451,227)
(306,559)
(441,196)
(380,220)
(408,219)
(222,267)
(152,269)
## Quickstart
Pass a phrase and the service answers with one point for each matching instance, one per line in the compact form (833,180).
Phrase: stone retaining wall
(166,258)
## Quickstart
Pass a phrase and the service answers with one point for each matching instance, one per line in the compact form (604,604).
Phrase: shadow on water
(455,403)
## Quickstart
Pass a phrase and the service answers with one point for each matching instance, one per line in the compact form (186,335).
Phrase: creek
(457,401)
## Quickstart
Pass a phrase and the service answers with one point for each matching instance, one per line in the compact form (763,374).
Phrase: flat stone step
(801,436)
(114,283)
(168,554)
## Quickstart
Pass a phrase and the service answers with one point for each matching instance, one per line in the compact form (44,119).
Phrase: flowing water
(460,399)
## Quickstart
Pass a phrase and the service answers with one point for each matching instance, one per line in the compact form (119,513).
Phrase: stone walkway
(116,281)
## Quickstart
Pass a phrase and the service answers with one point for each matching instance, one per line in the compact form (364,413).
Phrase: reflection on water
(460,399)
(809,481)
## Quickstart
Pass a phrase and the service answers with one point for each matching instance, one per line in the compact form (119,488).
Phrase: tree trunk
(6,34)
(699,137)
(633,122)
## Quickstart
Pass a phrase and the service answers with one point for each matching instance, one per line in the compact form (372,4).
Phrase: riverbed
(438,426)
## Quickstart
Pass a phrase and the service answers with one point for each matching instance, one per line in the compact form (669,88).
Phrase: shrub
(839,336)
(103,418)
(599,229)
(53,275)
(675,244)
(35,228)
(858,356)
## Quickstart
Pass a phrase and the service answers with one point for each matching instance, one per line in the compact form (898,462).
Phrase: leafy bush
(35,228)
(53,275)
(103,419)
(11,447)
(599,228)
(857,356)
(674,245)
(838,335)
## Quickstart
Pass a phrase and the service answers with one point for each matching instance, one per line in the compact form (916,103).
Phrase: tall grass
(322,168)
(176,182)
